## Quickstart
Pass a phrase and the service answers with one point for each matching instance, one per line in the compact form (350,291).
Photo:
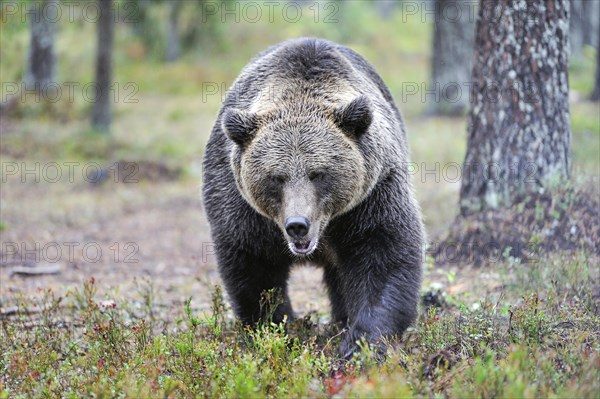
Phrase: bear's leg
(247,277)
(339,313)
(382,285)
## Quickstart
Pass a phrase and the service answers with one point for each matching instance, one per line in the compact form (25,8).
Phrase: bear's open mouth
(303,248)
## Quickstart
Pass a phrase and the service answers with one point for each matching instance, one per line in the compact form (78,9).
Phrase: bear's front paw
(349,345)
(352,342)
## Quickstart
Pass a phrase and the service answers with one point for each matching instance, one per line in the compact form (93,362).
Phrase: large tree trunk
(41,59)
(519,133)
(101,113)
(173,48)
(453,39)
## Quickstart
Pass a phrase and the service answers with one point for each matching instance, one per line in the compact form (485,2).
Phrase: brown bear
(307,162)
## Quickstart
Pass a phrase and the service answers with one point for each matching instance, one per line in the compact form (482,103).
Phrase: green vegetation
(537,336)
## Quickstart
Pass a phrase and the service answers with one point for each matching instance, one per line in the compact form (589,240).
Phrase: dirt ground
(125,235)
(129,236)
(133,236)
(145,228)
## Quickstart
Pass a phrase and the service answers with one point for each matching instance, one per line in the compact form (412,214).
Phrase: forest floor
(127,232)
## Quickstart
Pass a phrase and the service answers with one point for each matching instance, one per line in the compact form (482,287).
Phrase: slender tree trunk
(591,22)
(519,135)
(576,28)
(137,11)
(596,93)
(453,38)
(101,113)
(385,8)
(41,59)
(584,25)
(173,49)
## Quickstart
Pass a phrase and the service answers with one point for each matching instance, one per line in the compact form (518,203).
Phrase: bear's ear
(239,126)
(355,117)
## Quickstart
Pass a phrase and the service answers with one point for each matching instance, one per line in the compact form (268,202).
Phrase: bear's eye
(316,176)
(278,179)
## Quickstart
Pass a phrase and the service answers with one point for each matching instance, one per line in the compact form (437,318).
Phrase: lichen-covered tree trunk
(519,136)
(453,39)
(41,60)
(101,112)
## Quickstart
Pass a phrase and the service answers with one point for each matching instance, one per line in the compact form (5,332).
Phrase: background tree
(201,28)
(519,133)
(385,8)
(101,112)
(453,39)
(41,59)
(173,49)
(146,19)
(584,25)
(596,93)
(137,11)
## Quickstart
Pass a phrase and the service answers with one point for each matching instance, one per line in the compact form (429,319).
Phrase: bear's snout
(297,227)
(298,230)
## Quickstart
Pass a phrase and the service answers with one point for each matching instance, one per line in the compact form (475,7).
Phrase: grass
(536,337)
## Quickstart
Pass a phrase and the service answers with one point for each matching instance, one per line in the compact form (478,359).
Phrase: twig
(332,338)
(35,271)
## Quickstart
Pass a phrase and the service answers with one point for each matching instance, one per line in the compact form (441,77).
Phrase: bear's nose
(297,226)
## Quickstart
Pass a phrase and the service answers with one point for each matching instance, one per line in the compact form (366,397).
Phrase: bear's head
(300,165)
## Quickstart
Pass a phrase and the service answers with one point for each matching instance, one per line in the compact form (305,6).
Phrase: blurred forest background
(173,60)
(108,186)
